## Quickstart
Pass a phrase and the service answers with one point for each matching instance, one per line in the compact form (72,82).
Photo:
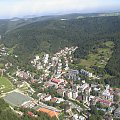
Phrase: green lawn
(1,65)
(109,44)
(5,85)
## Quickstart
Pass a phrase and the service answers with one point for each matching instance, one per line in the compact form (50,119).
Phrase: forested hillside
(51,35)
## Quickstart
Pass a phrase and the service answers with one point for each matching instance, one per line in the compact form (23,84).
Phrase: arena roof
(16,98)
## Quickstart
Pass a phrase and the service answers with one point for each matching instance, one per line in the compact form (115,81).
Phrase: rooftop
(16,98)
(49,112)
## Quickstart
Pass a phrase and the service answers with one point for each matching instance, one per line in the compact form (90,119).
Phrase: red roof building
(54,100)
(105,102)
(57,81)
(30,113)
(49,112)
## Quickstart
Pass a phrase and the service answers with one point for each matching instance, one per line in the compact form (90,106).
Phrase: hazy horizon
(21,8)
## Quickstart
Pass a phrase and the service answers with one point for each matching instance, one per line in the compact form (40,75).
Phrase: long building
(16,99)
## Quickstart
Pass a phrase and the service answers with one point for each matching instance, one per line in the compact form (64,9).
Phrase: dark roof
(16,99)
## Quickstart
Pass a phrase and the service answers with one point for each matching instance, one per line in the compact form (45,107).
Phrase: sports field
(5,85)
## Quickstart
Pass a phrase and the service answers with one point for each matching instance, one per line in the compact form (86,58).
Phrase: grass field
(5,85)
(98,58)
(1,65)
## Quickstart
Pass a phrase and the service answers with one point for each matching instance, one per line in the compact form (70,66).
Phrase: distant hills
(10,24)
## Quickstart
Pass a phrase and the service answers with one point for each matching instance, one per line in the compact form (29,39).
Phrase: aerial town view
(60,63)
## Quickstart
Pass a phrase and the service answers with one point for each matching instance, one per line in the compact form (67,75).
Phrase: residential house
(73,74)
(77,117)
(74,94)
(47,98)
(83,87)
(108,94)
(69,94)
(61,92)
(105,102)
(54,100)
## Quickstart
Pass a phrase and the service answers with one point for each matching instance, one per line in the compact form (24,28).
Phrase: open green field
(1,65)
(99,57)
(5,85)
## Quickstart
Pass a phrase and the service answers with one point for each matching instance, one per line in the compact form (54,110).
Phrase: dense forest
(51,35)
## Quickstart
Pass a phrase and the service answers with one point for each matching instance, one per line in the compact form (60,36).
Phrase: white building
(81,118)
(76,117)
(107,95)
(74,94)
(46,57)
(47,98)
(84,86)
(37,57)
(69,94)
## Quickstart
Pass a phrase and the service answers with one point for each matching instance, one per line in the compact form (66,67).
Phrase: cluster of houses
(54,64)
(56,69)
(47,97)
(82,91)
(4,66)
(3,51)
(78,92)
(23,74)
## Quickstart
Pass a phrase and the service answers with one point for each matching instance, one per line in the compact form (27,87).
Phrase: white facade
(81,118)
(46,58)
(76,117)
(107,95)
(84,86)
(37,57)
(47,98)
(75,94)
(69,94)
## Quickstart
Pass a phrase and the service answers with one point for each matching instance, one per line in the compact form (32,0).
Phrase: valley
(61,67)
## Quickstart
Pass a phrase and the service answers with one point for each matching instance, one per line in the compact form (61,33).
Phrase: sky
(20,8)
